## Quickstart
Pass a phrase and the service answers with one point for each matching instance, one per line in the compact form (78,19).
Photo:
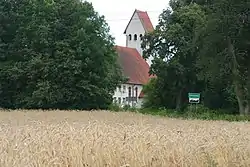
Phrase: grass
(204,115)
(200,113)
(119,139)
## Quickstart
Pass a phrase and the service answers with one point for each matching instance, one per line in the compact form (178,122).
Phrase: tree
(173,47)
(226,48)
(55,54)
(207,42)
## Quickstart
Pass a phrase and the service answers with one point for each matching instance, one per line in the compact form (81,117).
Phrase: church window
(130,37)
(124,88)
(140,36)
(135,37)
(124,100)
(129,92)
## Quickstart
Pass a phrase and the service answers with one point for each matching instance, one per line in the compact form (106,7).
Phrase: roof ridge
(139,10)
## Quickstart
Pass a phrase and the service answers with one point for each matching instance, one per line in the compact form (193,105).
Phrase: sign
(194,97)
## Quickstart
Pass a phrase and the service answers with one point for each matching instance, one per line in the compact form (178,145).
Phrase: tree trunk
(243,104)
(246,110)
(178,100)
(239,97)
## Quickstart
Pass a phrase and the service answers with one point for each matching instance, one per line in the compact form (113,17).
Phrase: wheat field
(106,139)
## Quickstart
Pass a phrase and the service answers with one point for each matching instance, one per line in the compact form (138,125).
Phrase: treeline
(59,54)
(201,46)
(55,54)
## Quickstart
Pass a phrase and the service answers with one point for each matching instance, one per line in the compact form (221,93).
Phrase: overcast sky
(118,13)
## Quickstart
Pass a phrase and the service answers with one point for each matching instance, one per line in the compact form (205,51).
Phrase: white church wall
(134,32)
(135,28)
(121,95)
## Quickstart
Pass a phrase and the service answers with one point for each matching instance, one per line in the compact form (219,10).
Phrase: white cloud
(118,13)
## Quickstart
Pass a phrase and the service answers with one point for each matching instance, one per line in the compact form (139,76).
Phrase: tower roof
(145,20)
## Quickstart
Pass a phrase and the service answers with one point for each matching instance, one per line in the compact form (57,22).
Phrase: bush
(200,112)
(126,107)
(114,107)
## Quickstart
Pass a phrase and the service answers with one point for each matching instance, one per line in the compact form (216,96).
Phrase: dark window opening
(140,36)
(130,37)
(135,37)
(129,92)
(136,92)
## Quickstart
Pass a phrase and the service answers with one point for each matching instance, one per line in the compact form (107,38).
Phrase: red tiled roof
(133,65)
(145,20)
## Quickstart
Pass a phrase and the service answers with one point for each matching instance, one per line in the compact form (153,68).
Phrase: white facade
(128,94)
(134,32)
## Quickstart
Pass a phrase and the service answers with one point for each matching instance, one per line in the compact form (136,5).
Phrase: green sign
(194,97)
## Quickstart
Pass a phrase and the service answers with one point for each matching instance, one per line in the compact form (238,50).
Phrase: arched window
(136,92)
(140,36)
(129,92)
(135,37)
(130,37)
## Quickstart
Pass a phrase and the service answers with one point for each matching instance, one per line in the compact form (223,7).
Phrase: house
(133,66)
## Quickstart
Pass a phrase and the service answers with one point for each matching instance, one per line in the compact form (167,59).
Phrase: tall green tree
(205,37)
(55,54)
(225,49)
(173,47)
(217,92)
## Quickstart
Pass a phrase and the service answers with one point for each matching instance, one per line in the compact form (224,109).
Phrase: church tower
(138,26)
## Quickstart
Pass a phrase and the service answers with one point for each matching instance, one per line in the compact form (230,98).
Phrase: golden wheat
(100,138)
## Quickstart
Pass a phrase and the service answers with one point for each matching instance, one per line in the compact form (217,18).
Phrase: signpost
(194,98)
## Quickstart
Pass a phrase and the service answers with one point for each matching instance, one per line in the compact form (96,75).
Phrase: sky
(118,13)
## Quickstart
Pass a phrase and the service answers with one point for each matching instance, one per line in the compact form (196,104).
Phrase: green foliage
(201,46)
(225,46)
(55,54)
(114,107)
(126,107)
(151,90)
(199,113)
(173,47)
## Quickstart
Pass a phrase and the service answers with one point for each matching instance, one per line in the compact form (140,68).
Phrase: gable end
(144,19)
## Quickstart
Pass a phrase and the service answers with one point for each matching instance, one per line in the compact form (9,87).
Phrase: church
(133,66)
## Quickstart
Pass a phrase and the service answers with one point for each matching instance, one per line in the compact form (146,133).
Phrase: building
(138,25)
(134,67)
